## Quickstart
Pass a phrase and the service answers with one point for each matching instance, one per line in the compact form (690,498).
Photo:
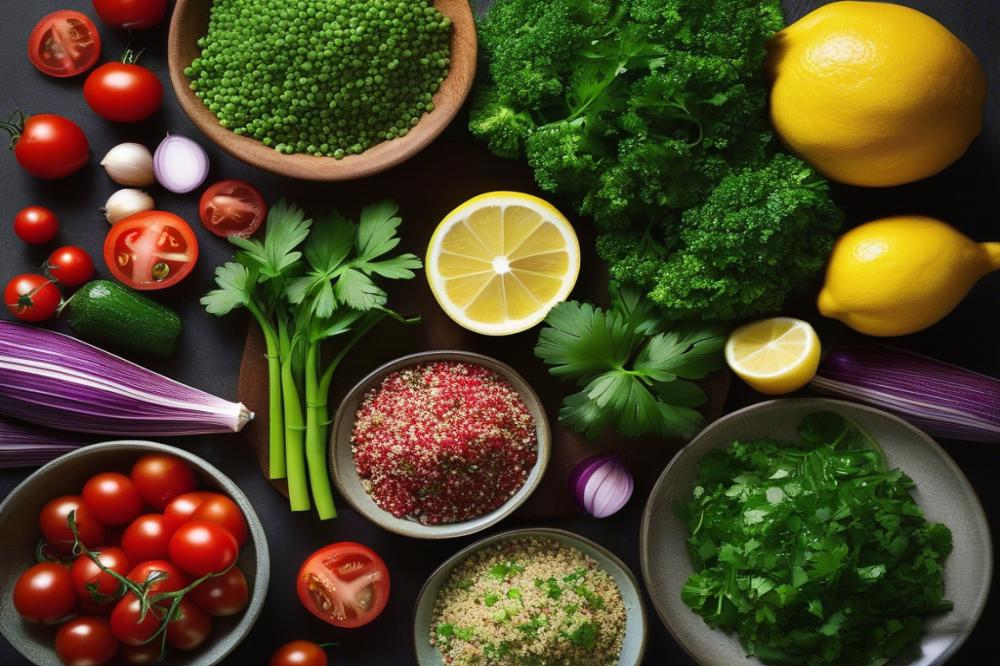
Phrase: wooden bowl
(190,23)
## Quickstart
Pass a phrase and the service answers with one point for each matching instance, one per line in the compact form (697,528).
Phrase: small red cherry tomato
(112,498)
(218,508)
(36,225)
(299,653)
(123,92)
(232,208)
(168,577)
(161,477)
(146,538)
(31,297)
(139,655)
(70,266)
(182,507)
(191,627)
(125,622)
(201,548)
(48,146)
(92,584)
(344,584)
(54,522)
(151,250)
(223,595)
(131,14)
(86,641)
(44,593)
(64,43)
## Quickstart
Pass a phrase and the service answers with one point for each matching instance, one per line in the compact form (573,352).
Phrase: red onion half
(601,484)
(180,164)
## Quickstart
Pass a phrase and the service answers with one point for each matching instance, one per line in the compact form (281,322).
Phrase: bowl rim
(458,80)
(262,575)
(525,532)
(977,509)
(344,423)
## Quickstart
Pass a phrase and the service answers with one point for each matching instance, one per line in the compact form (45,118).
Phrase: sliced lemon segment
(774,356)
(499,262)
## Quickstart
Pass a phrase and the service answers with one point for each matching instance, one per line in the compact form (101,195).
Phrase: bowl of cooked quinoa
(530,597)
(322,89)
(439,444)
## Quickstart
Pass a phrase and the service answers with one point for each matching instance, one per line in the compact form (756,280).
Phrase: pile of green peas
(324,77)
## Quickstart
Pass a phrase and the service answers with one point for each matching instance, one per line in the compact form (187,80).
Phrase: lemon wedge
(499,262)
(774,356)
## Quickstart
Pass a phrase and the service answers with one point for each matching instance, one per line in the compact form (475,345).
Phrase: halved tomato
(232,208)
(64,43)
(151,250)
(344,584)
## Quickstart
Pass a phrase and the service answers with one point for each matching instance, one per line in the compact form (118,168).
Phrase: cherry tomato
(112,498)
(131,14)
(161,477)
(182,507)
(232,208)
(299,653)
(123,92)
(169,577)
(190,628)
(64,43)
(125,622)
(31,297)
(146,538)
(201,548)
(221,510)
(140,655)
(44,593)
(92,584)
(54,521)
(48,146)
(223,595)
(86,641)
(36,225)
(151,250)
(70,266)
(344,584)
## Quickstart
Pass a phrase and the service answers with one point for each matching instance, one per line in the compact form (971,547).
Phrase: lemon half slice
(499,262)
(774,356)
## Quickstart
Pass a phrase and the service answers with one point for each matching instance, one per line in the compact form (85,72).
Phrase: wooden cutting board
(427,188)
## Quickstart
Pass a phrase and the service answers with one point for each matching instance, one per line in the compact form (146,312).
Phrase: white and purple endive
(51,379)
(28,446)
(601,484)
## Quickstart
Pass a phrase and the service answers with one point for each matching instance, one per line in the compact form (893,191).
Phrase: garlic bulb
(129,164)
(127,202)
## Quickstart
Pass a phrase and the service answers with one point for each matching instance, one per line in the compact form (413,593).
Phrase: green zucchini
(111,315)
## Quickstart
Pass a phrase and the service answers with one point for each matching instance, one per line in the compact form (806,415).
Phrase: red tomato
(64,43)
(86,641)
(190,628)
(123,92)
(92,584)
(151,250)
(223,595)
(131,14)
(182,507)
(170,578)
(146,538)
(54,521)
(112,498)
(36,225)
(125,623)
(48,146)
(31,297)
(44,593)
(232,208)
(140,655)
(161,477)
(299,653)
(221,510)
(201,548)
(70,266)
(344,584)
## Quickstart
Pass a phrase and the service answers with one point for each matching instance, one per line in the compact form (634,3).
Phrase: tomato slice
(232,208)
(151,250)
(344,584)
(64,43)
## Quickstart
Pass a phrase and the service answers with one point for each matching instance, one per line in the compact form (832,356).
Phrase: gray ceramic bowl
(942,491)
(66,476)
(349,483)
(635,623)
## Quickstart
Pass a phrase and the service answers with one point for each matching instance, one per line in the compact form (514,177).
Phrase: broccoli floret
(503,126)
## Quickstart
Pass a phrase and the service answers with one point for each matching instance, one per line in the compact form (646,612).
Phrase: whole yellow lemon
(899,275)
(874,93)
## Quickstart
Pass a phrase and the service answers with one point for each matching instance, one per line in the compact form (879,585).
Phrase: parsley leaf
(287,227)
(236,283)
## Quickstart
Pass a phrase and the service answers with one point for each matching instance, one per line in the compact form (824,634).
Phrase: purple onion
(944,400)
(27,446)
(180,164)
(601,484)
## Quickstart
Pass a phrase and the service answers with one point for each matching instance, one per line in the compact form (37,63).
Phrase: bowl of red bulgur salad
(530,597)
(439,444)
